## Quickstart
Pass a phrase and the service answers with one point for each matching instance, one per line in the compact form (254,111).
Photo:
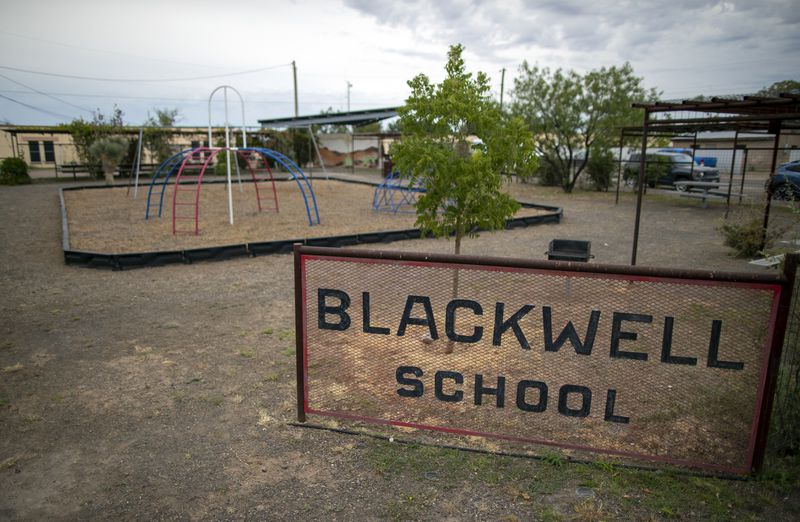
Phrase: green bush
(743,236)
(600,167)
(743,232)
(14,171)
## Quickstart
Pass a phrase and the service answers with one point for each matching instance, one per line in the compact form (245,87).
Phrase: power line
(140,80)
(45,94)
(51,113)
(104,51)
(151,98)
(129,97)
(194,100)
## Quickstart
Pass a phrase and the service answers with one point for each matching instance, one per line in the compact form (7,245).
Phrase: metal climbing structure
(186,192)
(188,170)
(396,194)
(159,183)
(189,167)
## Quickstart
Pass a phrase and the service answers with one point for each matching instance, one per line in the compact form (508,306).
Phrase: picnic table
(705,190)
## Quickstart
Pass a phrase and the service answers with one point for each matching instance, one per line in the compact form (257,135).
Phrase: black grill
(569,250)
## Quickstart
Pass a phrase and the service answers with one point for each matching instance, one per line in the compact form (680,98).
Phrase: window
(49,152)
(33,148)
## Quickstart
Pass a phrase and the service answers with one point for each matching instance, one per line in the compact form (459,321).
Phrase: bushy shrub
(600,167)
(110,150)
(743,232)
(14,171)
(744,236)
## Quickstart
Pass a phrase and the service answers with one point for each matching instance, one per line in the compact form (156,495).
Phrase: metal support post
(640,192)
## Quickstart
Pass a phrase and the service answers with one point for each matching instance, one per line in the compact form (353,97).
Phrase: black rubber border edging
(221,253)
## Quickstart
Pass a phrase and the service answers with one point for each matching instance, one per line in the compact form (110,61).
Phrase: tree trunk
(108,171)
(459,235)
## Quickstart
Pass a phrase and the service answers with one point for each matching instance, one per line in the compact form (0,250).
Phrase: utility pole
(502,84)
(294,74)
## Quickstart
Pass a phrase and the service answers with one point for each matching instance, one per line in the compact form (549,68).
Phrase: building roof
(356,118)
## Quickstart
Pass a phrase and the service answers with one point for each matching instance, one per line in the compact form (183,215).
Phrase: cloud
(683,47)
(619,31)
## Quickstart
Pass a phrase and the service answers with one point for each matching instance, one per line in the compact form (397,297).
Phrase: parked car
(785,184)
(679,168)
(708,161)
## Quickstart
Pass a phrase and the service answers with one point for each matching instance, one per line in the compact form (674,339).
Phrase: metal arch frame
(294,170)
(212,154)
(241,100)
(227,138)
(169,174)
(175,164)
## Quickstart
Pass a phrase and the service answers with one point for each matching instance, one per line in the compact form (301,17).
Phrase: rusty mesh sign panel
(647,367)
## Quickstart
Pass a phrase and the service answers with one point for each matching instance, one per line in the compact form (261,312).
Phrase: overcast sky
(57,58)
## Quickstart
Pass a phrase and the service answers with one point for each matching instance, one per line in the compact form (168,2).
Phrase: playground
(112,220)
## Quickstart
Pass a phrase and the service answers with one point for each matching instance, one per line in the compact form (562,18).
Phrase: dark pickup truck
(673,167)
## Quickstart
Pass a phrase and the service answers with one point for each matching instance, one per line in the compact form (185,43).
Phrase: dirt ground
(165,393)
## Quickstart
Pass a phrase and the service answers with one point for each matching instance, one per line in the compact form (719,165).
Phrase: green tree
(783,86)
(85,133)
(157,133)
(459,145)
(570,113)
(110,151)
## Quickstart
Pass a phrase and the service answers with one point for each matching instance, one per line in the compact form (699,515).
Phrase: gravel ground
(165,393)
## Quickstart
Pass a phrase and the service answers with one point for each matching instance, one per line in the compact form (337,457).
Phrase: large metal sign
(669,366)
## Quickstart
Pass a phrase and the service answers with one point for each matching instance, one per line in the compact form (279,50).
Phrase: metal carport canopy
(749,112)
